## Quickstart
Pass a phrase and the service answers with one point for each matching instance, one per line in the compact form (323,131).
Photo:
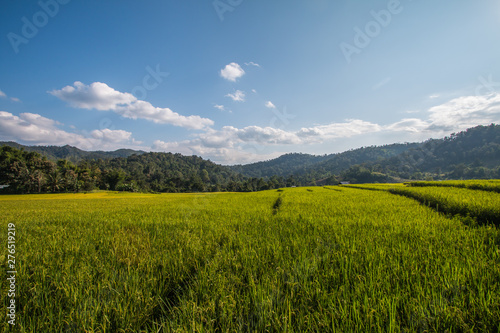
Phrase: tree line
(30,172)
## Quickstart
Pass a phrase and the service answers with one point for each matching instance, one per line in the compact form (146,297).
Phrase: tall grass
(320,261)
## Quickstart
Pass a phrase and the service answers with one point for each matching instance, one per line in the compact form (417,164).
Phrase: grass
(492,185)
(298,260)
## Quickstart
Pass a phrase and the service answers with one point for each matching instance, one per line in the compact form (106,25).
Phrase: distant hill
(474,153)
(324,165)
(283,166)
(72,154)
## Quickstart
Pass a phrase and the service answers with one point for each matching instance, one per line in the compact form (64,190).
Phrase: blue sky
(237,81)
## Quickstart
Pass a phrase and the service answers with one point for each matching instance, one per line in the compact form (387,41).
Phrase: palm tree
(54,180)
(38,178)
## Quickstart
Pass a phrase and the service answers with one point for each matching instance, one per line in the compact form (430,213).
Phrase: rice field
(482,206)
(492,185)
(334,259)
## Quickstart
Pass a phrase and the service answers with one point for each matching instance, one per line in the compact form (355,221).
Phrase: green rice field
(334,259)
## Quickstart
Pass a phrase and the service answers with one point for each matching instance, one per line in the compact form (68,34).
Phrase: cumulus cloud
(346,129)
(464,112)
(232,72)
(267,136)
(15,99)
(101,97)
(97,96)
(237,96)
(38,120)
(2,94)
(270,105)
(35,129)
(220,107)
(114,136)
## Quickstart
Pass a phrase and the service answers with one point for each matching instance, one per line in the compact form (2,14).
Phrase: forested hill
(30,172)
(474,153)
(284,165)
(72,154)
(321,166)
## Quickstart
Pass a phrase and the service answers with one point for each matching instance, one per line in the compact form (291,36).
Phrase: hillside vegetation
(72,154)
(472,154)
(29,172)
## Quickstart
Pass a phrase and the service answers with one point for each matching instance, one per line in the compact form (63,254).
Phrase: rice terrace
(367,258)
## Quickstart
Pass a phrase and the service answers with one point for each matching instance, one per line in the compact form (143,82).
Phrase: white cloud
(464,112)
(35,129)
(251,63)
(434,96)
(237,96)
(232,72)
(267,136)
(4,95)
(113,136)
(347,129)
(101,97)
(97,96)
(254,91)
(270,105)
(38,120)
(222,108)
(413,125)
(223,155)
